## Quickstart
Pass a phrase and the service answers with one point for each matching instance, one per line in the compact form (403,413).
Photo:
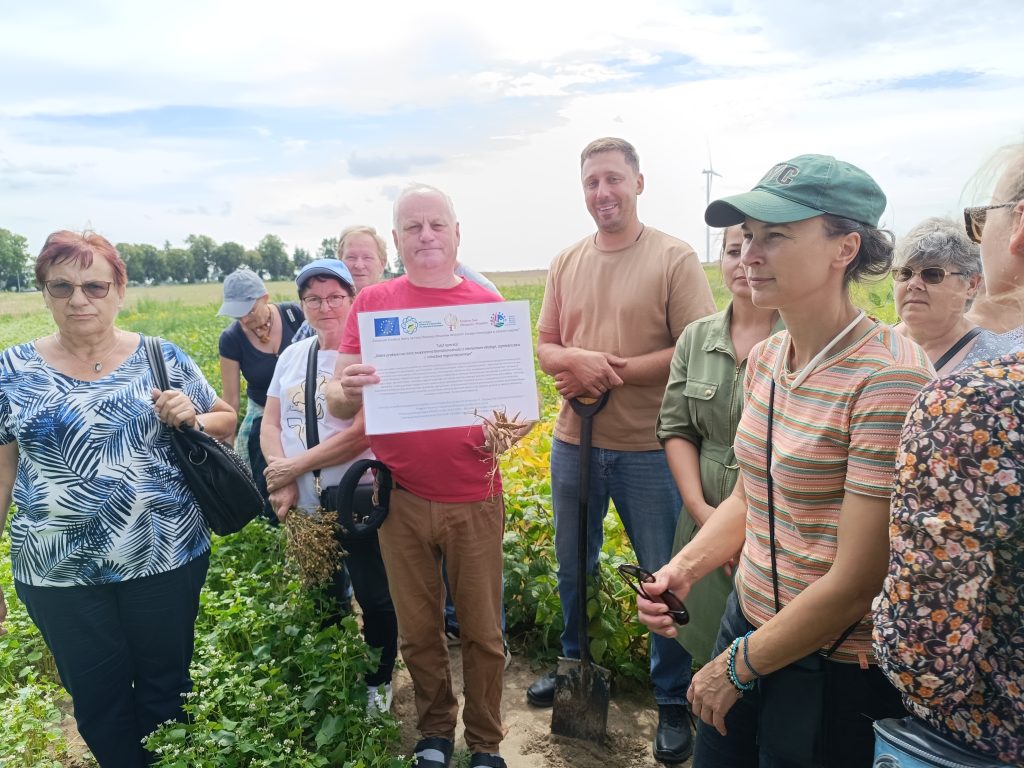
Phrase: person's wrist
(683,577)
(745,671)
(732,669)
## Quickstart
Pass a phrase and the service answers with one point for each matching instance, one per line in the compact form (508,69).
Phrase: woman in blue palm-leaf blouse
(108,547)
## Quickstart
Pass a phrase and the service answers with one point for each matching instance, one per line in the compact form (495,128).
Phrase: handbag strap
(960,344)
(312,430)
(771,524)
(157,364)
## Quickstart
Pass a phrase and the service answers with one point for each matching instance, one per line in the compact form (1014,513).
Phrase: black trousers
(370,584)
(258,463)
(123,651)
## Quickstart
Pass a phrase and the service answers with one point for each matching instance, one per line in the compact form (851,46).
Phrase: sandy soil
(632,720)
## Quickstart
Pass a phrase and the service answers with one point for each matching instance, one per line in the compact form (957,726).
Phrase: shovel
(582,687)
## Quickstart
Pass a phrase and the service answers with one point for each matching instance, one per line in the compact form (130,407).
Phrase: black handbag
(793,702)
(360,507)
(911,742)
(221,483)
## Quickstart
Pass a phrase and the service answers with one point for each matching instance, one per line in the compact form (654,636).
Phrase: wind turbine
(708,173)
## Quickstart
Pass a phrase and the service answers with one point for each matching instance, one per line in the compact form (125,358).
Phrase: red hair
(79,247)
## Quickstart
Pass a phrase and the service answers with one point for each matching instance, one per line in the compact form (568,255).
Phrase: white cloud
(327,108)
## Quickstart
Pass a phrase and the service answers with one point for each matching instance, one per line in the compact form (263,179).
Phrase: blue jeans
(123,652)
(645,495)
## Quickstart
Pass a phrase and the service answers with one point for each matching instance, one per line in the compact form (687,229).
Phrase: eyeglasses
(62,289)
(974,218)
(636,577)
(930,275)
(333,301)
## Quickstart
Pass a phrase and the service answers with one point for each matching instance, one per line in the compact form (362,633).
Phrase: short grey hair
(421,189)
(939,242)
(360,229)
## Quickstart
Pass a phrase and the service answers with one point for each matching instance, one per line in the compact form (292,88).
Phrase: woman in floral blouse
(948,624)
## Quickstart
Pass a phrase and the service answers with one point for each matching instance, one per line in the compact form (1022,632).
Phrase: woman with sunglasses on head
(326,290)
(697,426)
(937,274)
(109,549)
(999,228)
(816,445)
(249,348)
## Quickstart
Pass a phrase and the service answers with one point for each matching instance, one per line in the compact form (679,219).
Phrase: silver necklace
(98,365)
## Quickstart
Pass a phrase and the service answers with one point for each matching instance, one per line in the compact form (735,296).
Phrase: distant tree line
(201,260)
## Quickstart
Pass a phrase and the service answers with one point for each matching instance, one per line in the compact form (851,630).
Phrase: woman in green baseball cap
(793,673)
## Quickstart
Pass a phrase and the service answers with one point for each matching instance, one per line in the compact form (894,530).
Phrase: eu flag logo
(386,326)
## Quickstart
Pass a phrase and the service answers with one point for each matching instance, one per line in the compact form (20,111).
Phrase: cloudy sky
(148,122)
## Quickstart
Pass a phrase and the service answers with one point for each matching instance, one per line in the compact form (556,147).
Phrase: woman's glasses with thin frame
(930,275)
(62,289)
(636,577)
(333,301)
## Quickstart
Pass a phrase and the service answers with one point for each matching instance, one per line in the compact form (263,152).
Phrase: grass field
(876,298)
(199,294)
(249,712)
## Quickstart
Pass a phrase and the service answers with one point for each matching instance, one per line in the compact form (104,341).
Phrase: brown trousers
(413,539)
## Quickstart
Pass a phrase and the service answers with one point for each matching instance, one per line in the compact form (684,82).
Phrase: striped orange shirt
(837,432)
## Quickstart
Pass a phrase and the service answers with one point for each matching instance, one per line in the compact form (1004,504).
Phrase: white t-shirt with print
(289,386)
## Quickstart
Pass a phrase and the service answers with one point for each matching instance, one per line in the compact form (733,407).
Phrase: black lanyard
(771,524)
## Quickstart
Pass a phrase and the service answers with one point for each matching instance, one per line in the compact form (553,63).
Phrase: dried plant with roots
(311,545)
(500,434)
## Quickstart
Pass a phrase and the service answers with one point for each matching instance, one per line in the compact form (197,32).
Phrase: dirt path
(632,720)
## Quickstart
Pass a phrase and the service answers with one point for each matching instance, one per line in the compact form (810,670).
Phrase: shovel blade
(582,693)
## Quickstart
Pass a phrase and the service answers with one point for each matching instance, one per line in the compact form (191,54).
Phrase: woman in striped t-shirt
(831,393)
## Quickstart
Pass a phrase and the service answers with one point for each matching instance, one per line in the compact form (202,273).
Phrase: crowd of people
(838,501)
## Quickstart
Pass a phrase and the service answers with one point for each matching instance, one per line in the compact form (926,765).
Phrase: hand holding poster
(445,367)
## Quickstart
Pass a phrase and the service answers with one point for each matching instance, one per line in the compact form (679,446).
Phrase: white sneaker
(378,698)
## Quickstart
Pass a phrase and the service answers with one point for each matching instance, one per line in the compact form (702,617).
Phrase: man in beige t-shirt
(614,305)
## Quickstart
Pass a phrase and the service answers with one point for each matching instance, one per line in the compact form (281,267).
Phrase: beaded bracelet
(746,659)
(731,669)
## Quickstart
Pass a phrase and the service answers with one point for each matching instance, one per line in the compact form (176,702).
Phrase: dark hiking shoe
(674,741)
(542,692)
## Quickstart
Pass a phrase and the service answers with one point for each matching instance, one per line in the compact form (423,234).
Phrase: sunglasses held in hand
(636,577)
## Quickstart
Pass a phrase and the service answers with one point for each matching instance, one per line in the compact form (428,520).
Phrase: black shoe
(444,746)
(674,740)
(542,692)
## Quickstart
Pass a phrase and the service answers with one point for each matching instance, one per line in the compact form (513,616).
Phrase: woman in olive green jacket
(697,425)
